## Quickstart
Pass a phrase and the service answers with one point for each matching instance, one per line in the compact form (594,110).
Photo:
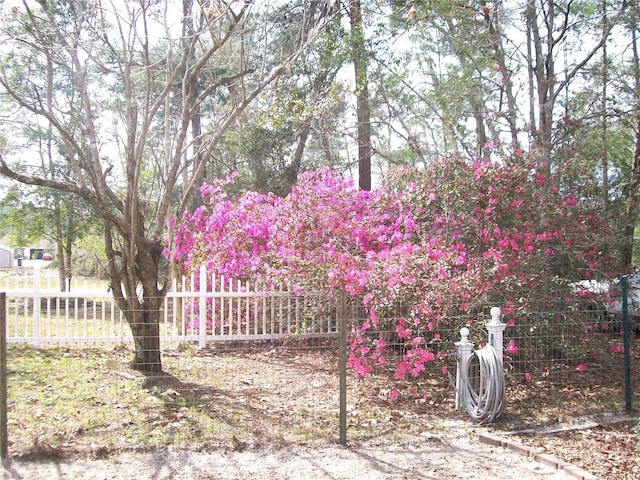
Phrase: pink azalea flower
(616,348)
(512,348)
(582,367)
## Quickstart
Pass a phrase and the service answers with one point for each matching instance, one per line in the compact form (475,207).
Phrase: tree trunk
(64,266)
(145,328)
(140,309)
(359,56)
(192,84)
(495,37)
(145,320)
(604,106)
(631,209)
(633,189)
(293,169)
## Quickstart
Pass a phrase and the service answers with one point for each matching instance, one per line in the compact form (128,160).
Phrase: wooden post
(4,437)
(342,366)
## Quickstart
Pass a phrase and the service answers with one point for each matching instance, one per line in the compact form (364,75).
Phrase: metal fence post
(342,366)
(626,338)
(4,437)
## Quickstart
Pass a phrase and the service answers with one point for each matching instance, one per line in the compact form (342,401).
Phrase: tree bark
(604,106)
(145,327)
(359,56)
(293,169)
(632,191)
(631,208)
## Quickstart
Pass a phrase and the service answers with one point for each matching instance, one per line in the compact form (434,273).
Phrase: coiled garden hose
(482,385)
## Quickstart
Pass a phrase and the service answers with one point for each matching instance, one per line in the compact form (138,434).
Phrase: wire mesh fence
(228,396)
(561,359)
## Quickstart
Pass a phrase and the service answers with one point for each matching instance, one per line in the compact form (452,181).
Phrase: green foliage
(89,257)
(21,223)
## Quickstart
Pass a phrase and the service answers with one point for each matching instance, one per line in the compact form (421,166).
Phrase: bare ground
(456,454)
(282,405)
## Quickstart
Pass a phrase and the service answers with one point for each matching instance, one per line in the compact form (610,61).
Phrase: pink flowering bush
(429,246)
(232,238)
(485,234)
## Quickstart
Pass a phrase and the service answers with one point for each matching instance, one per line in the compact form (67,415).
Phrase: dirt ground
(290,430)
(456,453)
(608,451)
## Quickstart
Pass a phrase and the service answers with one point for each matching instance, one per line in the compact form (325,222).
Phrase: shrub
(429,246)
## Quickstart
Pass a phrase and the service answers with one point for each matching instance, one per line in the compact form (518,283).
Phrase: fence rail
(201,308)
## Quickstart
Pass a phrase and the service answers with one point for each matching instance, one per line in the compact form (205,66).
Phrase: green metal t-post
(626,331)
(342,367)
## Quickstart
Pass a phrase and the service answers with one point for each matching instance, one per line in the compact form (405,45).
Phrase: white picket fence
(220,310)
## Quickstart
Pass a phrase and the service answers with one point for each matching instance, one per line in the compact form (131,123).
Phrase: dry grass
(66,402)
(84,400)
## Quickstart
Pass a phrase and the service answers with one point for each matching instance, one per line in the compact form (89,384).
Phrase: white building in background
(6,257)
(31,256)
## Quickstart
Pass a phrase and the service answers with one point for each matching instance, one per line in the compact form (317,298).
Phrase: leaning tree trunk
(633,186)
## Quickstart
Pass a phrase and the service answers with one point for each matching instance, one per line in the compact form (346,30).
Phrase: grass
(88,400)
(70,323)
(23,278)
(56,396)
(70,401)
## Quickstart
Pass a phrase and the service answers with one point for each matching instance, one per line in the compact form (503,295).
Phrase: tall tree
(123,77)
(603,106)
(293,125)
(551,27)
(363,109)
(35,214)
(632,188)
(451,77)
